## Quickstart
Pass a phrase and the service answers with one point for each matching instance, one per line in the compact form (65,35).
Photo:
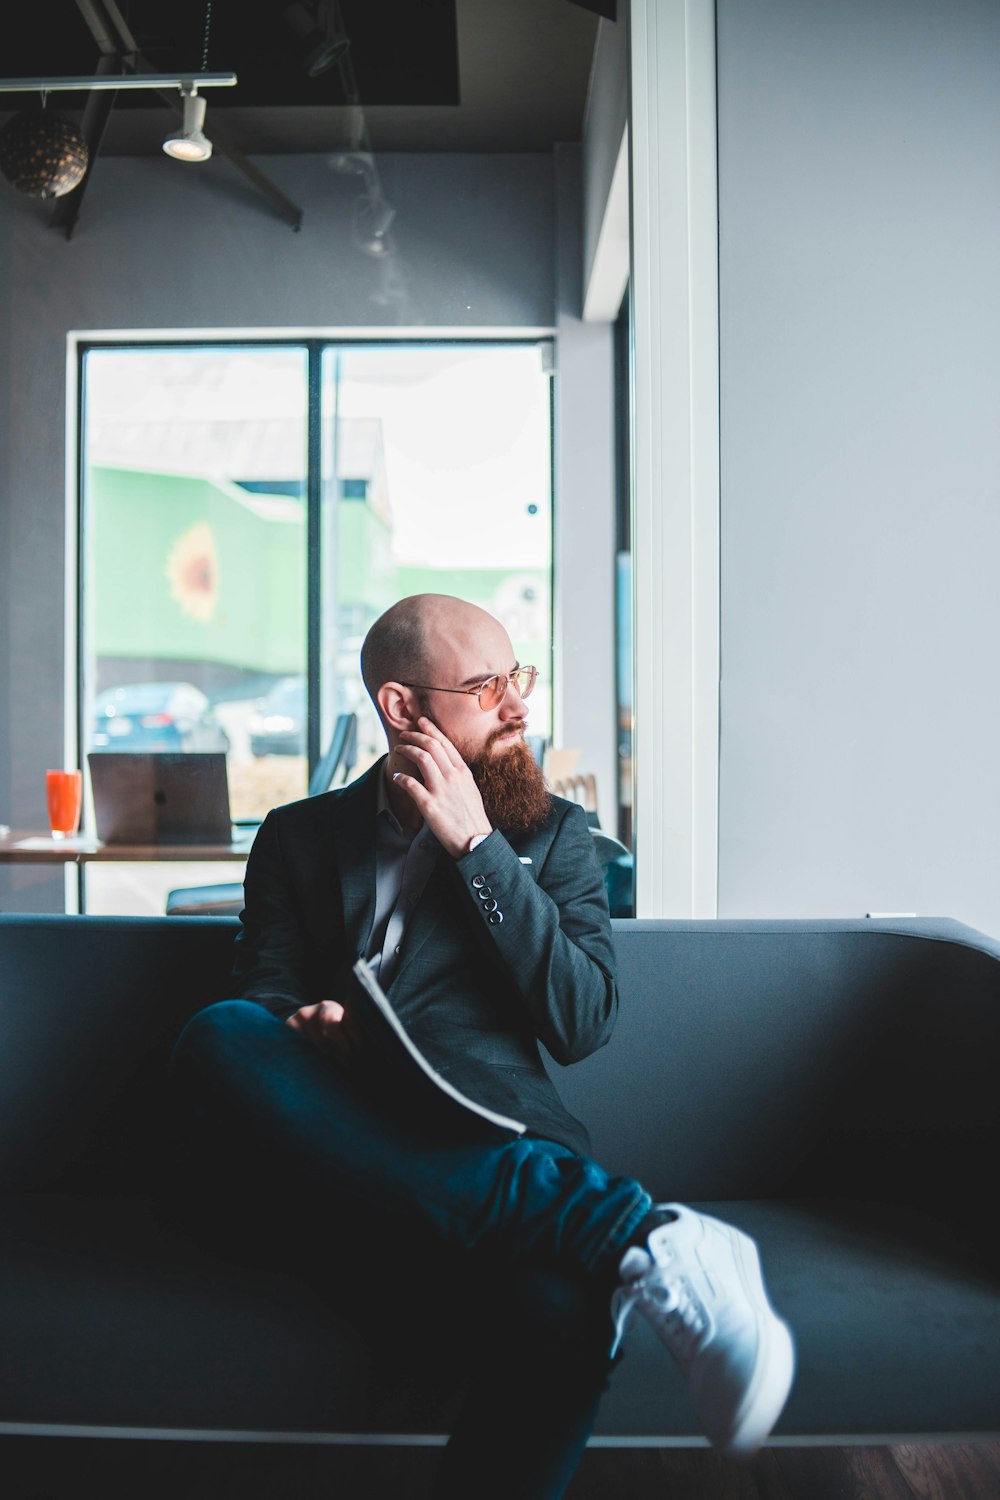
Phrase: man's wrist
(460,850)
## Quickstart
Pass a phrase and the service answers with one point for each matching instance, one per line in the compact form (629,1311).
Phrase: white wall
(860,392)
(162,246)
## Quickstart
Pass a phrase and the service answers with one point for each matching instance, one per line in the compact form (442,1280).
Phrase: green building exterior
(188,570)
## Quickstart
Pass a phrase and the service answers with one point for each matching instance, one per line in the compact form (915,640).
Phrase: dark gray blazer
(477,994)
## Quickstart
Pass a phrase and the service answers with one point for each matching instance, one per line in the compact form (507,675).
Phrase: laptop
(160,797)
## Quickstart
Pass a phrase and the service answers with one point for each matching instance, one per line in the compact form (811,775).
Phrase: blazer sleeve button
(495,918)
(478,881)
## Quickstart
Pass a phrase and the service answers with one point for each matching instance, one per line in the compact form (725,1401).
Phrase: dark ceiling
(479,75)
(403,52)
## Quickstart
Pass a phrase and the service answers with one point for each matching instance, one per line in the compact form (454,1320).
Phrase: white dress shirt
(404,858)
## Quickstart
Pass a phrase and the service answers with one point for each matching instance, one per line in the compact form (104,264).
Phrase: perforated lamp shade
(42,153)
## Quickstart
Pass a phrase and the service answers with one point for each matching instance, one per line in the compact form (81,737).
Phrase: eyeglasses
(492,692)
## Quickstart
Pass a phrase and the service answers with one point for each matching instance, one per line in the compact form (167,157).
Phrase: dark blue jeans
(555,1221)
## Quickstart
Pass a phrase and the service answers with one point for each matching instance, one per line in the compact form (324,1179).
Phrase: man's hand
(326,1023)
(445,795)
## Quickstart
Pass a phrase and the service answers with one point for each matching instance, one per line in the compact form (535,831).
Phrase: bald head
(417,639)
(393,649)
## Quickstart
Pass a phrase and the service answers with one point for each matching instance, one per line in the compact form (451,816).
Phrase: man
(477,898)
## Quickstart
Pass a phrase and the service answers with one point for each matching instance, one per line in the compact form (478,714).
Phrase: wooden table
(29,848)
(26,847)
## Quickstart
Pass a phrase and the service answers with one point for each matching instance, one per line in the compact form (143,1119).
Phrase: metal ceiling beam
(96,114)
(284,207)
(113,37)
(108,40)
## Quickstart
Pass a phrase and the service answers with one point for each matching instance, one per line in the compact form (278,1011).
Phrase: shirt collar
(382,807)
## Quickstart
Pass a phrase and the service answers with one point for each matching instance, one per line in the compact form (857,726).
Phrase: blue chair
(615,859)
(340,756)
(619,872)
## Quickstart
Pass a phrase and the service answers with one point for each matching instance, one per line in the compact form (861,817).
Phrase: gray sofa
(830,1086)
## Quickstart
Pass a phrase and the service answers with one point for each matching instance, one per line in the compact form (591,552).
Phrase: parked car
(156,716)
(278,725)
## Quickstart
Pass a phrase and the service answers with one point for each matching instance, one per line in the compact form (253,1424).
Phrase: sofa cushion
(114,1315)
(896,1318)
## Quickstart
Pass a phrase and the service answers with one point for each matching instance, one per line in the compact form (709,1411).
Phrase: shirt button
(397,949)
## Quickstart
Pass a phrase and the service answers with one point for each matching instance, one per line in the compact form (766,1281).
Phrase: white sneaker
(701,1287)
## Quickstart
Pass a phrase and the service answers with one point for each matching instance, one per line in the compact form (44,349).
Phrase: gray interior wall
(860,391)
(160,247)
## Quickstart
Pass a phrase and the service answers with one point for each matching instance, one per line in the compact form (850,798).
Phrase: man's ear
(399,706)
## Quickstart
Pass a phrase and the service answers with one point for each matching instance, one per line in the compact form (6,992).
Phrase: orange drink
(65,791)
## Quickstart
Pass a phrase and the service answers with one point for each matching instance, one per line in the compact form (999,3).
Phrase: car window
(190,700)
(136,697)
(287,696)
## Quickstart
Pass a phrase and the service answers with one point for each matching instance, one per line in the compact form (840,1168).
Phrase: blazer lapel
(354,851)
(426,914)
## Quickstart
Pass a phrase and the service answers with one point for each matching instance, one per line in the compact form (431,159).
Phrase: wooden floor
(960,1472)
(33,1469)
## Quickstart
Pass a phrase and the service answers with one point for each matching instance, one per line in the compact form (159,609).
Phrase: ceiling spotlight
(190,142)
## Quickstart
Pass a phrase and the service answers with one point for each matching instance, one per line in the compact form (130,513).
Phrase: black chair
(226,899)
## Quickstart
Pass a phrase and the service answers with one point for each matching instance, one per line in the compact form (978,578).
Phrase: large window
(248,510)
(443,466)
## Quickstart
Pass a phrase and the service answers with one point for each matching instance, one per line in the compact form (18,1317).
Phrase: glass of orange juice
(64,790)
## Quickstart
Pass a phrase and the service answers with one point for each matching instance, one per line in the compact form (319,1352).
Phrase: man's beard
(511,785)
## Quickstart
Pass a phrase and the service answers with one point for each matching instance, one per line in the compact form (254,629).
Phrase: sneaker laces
(666,1301)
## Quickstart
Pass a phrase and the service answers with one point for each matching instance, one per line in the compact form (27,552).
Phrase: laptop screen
(160,797)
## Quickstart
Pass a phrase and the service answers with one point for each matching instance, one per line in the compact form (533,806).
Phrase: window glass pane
(194,576)
(437,478)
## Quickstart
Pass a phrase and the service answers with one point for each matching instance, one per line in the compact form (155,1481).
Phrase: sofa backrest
(777,1059)
(89,1010)
(751,1059)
